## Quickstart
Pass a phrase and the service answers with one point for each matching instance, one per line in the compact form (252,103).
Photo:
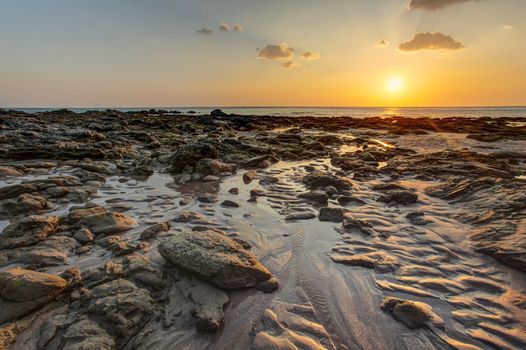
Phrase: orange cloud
(430,41)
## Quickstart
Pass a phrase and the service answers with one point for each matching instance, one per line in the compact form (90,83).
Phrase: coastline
(383,232)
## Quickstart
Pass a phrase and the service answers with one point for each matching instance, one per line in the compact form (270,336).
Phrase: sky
(163,53)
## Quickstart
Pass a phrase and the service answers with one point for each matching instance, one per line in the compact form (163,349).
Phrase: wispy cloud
(433,5)
(382,44)
(290,64)
(430,41)
(224,27)
(310,55)
(506,27)
(204,31)
(237,28)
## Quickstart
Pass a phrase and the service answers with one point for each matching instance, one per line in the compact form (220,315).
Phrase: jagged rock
(28,231)
(141,271)
(189,216)
(207,198)
(24,291)
(8,171)
(121,308)
(215,258)
(108,223)
(212,167)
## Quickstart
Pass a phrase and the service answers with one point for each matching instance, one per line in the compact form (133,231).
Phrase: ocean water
(358,112)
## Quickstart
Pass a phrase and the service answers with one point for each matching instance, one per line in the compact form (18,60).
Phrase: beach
(159,229)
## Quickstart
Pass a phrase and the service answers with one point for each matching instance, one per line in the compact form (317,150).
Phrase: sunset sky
(126,53)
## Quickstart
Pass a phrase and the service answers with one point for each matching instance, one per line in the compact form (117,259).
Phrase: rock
(8,171)
(54,251)
(215,258)
(121,308)
(233,190)
(411,313)
(212,167)
(86,334)
(189,155)
(320,180)
(417,218)
(229,204)
(249,176)
(331,191)
(189,216)
(218,113)
(399,196)
(109,223)
(307,215)
(268,286)
(27,203)
(154,230)
(14,191)
(83,236)
(349,200)
(28,231)
(332,214)
(211,178)
(207,198)
(258,162)
(318,197)
(76,214)
(139,269)
(24,291)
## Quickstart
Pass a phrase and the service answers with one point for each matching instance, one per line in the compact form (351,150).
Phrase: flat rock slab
(215,258)
(109,223)
(28,231)
(23,291)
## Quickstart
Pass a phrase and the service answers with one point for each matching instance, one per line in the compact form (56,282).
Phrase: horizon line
(259,107)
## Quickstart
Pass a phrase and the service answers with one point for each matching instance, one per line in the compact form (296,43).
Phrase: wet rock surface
(154,229)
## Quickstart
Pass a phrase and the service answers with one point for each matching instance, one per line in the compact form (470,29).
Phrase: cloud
(382,44)
(506,27)
(276,52)
(204,31)
(237,28)
(310,55)
(290,64)
(430,41)
(224,27)
(433,5)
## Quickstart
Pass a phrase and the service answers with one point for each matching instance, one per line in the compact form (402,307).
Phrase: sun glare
(394,84)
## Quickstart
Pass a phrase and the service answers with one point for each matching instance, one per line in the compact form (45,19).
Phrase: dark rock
(332,214)
(28,231)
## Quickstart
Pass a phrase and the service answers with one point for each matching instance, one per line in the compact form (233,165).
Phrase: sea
(357,112)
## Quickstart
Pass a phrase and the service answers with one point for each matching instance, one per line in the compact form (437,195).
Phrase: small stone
(233,190)
(307,215)
(229,204)
(249,176)
(83,236)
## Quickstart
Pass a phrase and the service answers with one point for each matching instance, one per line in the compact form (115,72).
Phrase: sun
(394,84)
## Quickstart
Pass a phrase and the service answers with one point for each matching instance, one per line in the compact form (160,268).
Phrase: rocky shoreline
(133,230)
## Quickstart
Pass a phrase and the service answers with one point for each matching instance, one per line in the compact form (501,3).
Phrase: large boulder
(215,258)
(109,223)
(28,231)
(23,291)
